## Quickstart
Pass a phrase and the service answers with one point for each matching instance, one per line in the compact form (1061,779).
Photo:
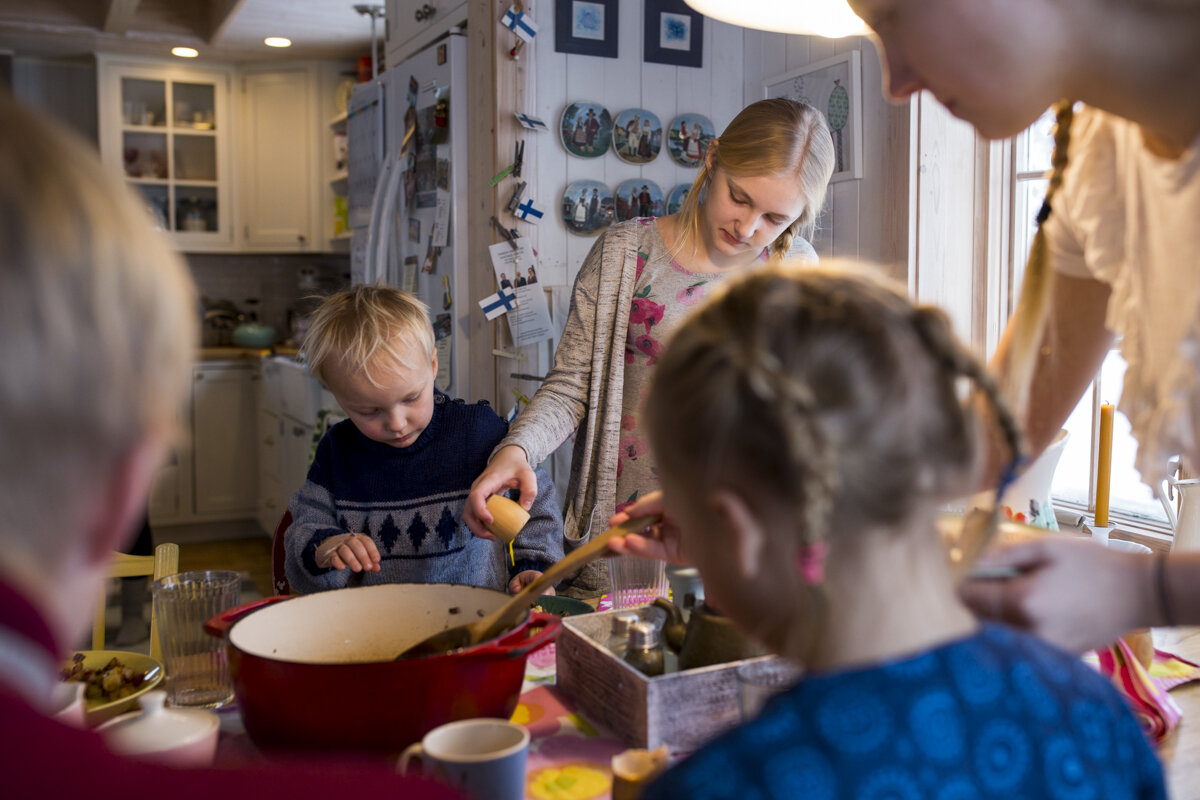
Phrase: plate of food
(114,680)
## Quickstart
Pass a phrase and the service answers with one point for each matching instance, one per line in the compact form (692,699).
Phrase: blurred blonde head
(98,328)
(368,329)
(777,137)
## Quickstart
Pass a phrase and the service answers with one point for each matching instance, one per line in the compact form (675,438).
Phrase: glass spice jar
(644,652)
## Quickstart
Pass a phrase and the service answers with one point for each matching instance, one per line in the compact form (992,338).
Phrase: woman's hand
(354,550)
(508,469)
(659,541)
(1073,593)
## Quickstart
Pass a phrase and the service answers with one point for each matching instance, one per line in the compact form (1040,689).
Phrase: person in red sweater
(98,331)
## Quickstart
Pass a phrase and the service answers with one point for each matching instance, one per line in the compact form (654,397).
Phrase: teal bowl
(563,606)
(251,334)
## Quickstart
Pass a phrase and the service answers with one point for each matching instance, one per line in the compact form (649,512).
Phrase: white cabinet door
(281,175)
(413,24)
(225,460)
(297,445)
(166,501)
(271,503)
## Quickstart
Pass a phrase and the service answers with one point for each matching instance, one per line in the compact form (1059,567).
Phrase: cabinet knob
(425,12)
(298,431)
(269,440)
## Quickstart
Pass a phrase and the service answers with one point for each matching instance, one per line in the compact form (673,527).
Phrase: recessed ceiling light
(277,41)
(185,52)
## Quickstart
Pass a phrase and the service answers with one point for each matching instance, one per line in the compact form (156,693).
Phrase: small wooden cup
(634,770)
(508,518)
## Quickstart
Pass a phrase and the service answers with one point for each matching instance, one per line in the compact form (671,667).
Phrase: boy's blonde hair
(821,394)
(361,327)
(98,327)
(769,137)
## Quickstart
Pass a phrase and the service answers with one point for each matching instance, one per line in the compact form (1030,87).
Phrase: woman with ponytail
(755,199)
(1115,256)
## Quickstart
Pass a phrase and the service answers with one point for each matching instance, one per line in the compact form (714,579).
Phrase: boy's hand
(354,550)
(525,578)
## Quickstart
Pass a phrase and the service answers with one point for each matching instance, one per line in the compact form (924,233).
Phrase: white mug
(483,758)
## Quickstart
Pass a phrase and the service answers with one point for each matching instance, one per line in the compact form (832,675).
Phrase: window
(1131,501)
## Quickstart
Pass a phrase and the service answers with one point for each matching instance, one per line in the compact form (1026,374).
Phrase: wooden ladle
(504,617)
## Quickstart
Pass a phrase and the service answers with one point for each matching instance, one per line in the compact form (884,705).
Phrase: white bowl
(180,737)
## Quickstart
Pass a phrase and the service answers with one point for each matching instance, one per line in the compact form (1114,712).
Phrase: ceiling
(222,30)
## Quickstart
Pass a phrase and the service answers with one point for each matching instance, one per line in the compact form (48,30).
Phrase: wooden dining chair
(165,561)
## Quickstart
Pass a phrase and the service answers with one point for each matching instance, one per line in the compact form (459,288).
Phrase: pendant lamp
(829,18)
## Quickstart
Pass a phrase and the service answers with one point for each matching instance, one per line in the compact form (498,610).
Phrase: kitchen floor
(238,546)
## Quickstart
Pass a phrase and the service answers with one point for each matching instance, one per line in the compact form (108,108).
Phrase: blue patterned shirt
(997,714)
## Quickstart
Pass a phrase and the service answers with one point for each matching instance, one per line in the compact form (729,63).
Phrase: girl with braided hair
(756,198)
(1115,256)
(807,429)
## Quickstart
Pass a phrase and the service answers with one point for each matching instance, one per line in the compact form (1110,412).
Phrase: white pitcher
(1187,522)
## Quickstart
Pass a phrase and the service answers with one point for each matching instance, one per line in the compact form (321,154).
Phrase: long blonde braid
(1029,318)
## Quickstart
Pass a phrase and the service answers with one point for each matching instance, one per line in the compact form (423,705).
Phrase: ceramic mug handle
(414,752)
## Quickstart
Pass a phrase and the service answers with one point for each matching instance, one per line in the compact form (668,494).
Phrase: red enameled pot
(318,671)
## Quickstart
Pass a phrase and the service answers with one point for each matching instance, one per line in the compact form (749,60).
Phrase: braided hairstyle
(821,395)
(769,137)
(1029,317)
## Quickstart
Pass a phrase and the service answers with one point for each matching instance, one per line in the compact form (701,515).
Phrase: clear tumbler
(197,672)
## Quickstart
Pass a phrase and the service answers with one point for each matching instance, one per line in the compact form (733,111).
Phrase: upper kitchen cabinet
(413,24)
(167,128)
(278,159)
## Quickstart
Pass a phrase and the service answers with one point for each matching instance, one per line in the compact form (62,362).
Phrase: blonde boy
(384,497)
(98,324)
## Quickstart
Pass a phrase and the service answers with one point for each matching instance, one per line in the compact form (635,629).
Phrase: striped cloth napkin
(1146,690)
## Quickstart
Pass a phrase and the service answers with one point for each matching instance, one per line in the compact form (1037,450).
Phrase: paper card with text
(517,269)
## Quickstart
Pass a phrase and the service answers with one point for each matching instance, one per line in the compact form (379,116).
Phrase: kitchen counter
(248,353)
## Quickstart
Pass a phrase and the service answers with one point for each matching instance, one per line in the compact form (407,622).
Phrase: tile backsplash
(273,279)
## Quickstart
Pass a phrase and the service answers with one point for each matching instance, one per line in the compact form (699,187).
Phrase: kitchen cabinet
(289,409)
(223,437)
(213,475)
(278,161)
(413,24)
(167,129)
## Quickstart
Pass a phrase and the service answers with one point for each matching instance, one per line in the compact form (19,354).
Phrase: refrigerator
(407,155)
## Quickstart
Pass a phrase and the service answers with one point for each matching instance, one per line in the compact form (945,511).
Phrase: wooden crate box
(682,710)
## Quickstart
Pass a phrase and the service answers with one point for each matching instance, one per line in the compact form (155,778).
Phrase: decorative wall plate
(587,207)
(676,197)
(585,129)
(637,136)
(638,197)
(688,137)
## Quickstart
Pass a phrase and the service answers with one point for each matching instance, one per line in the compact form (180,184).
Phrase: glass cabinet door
(171,149)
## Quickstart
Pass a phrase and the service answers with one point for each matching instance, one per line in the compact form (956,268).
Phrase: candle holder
(1099,532)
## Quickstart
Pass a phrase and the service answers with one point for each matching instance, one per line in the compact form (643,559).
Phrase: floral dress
(664,293)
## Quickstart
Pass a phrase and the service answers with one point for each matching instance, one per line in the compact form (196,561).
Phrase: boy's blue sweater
(410,501)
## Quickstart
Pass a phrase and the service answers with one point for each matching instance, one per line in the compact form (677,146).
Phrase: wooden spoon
(490,626)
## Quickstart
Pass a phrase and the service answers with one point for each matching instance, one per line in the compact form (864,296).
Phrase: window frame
(1003,250)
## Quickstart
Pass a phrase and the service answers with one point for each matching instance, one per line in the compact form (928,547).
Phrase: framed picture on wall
(674,34)
(586,27)
(833,86)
